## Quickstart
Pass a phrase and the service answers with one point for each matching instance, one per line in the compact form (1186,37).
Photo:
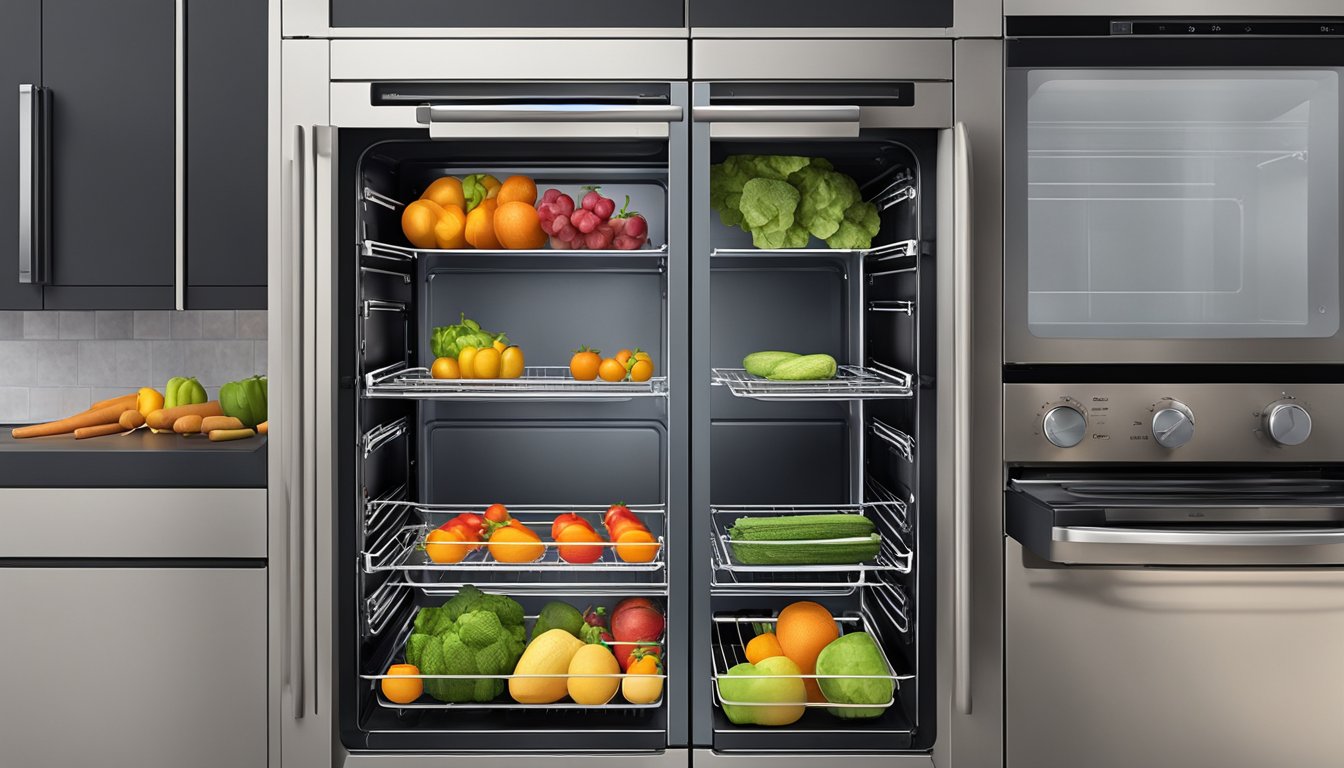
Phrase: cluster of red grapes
(591,225)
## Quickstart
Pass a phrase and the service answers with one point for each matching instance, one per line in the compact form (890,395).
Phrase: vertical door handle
(34,162)
(292,426)
(179,159)
(961,410)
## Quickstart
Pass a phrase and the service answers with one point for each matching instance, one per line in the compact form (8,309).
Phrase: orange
(445,368)
(481,226)
(451,229)
(517,226)
(445,547)
(402,690)
(762,647)
(418,220)
(803,629)
(641,370)
(515,544)
(637,546)
(446,191)
(517,189)
(611,370)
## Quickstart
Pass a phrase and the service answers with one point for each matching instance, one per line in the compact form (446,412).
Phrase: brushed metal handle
(772,113)
(549,113)
(179,159)
(294,478)
(32,183)
(961,409)
(1299,537)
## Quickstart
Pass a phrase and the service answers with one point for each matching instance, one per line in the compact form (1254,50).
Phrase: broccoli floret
(479,628)
(519,634)
(463,602)
(415,645)
(509,611)
(425,620)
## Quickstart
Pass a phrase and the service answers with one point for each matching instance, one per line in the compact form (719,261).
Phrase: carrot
(264,428)
(211,423)
(125,400)
(131,419)
(219,435)
(188,425)
(164,417)
(108,414)
(98,431)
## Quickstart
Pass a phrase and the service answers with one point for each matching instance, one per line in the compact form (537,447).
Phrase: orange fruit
(641,370)
(517,226)
(446,191)
(515,544)
(445,368)
(418,221)
(402,690)
(517,189)
(446,546)
(481,226)
(610,370)
(803,629)
(451,229)
(762,647)
(636,546)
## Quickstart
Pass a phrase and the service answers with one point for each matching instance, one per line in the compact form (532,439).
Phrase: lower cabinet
(133,667)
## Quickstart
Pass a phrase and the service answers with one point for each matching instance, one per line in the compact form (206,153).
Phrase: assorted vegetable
(449,340)
(784,200)
(826,539)
(790,366)
(245,400)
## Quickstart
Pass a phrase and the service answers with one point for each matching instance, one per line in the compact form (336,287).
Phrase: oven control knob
(1173,424)
(1064,426)
(1287,423)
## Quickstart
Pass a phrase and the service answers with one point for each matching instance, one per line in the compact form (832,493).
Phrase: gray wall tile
(166,360)
(58,363)
(186,325)
(11,324)
(97,364)
(77,325)
(18,362)
(115,325)
(153,325)
(41,325)
(251,323)
(51,403)
(132,366)
(13,404)
(98,394)
(259,357)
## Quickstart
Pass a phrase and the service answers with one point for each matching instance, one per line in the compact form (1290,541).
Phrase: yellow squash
(548,654)
(593,691)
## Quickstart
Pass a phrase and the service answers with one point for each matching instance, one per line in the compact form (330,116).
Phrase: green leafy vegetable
(448,340)
(858,228)
(472,634)
(748,191)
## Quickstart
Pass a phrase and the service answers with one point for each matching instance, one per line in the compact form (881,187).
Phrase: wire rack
(899,249)
(898,440)
(880,381)
(732,633)
(404,555)
(536,383)
(375,249)
(426,702)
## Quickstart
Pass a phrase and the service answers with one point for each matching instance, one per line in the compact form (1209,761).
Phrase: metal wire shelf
(536,383)
(896,250)
(376,249)
(851,382)
(732,633)
(900,442)
(426,702)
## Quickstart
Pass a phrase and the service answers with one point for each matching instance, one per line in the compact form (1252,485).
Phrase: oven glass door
(1173,213)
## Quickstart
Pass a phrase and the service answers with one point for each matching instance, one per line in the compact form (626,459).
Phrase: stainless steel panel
(1172,668)
(672,758)
(710,757)
(28,153)
(1178,8)
(134,667)
(961,418)
(140,522)
(821,59)
(932,109)
(520,60)
(1228,420)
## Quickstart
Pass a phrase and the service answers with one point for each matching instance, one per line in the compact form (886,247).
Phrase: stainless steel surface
(296,488)
(133,522)
(1173,424)
(537,383)
(179,155)
(131,667)
(783,760)
(963,429)
(851,382)
(779,121)
(28,272)
(1122,667)
(671,758)
(1160,8)
(1064,426)
(471,59)
(548,121)
(320,423)
(1287,423)
(853,59)
(1292,537)
(1231,422)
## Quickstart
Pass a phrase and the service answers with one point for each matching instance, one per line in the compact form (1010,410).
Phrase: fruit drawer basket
(537,383)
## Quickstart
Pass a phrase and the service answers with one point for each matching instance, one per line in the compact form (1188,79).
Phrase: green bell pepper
(183,391)
(245,400)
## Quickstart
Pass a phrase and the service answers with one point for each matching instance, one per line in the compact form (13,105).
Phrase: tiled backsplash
(53,364)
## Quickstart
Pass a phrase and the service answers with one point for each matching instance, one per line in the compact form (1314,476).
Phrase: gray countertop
(141,459)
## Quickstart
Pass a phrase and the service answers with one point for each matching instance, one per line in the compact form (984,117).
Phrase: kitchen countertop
(141,459)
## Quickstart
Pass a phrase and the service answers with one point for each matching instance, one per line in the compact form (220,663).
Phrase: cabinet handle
(179,164)
(573,121)
(961,410)
(34,162)
(293,423)
(765,121)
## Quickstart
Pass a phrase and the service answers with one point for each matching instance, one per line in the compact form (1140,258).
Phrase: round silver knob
(1173,425)
(1064,426)
(1287,423)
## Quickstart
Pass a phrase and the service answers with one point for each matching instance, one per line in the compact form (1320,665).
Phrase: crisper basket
(403,555)
(426,702)
(851,382)
(538,383)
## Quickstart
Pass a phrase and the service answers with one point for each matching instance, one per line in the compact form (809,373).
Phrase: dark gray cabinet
(538,14)
(110,72)
(808,14)
(20,63)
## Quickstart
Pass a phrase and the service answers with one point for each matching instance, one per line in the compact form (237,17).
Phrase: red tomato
(564,521)
(473,521)
(613,509)
(497,513)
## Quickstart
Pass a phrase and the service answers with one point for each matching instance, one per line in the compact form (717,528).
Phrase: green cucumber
(805,368)
(762,363)
(826,539)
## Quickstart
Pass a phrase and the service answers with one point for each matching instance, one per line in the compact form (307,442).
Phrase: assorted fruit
(769,688)
(589,365)
(508,540)
(481,212)
(478,634)
(790,366)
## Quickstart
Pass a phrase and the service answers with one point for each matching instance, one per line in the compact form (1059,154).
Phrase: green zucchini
(827,539)
(762,363)
(805,368)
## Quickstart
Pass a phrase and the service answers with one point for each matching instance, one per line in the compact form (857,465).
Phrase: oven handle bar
(1296,537)
(961,419)
(549,113)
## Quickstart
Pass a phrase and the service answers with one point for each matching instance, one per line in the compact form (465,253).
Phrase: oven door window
(1182,204)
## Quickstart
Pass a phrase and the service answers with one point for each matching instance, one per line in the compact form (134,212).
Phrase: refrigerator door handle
(33,164)
(1291,537)
(291,427)
(464,121)
(779,120)
(179,157)
(961,410)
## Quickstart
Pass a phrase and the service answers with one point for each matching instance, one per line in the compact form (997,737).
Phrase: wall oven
(1173,190)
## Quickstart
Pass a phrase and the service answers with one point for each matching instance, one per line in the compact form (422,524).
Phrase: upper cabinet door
(834,14)
(20,64)
(110,68)
(538,14)
(226,154)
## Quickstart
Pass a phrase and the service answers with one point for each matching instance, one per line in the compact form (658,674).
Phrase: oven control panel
(1173,422)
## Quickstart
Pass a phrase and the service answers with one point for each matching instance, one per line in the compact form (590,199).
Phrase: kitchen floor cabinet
(106,148)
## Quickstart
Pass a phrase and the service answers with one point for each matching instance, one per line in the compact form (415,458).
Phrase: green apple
(773,681)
